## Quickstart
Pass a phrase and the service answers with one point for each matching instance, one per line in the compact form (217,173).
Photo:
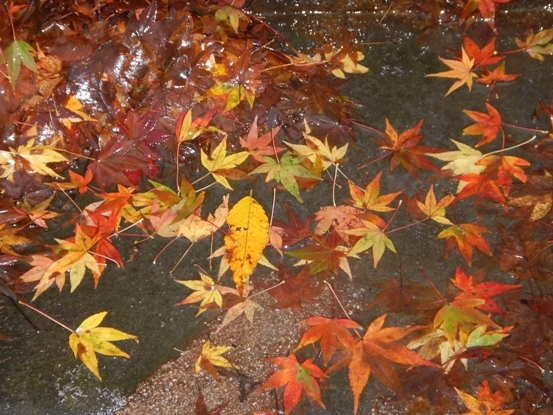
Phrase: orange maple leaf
(487,125)
(460,69)
(374,354)
(295,377)
(465,236)
(496,75)
(486,402)
(332,334)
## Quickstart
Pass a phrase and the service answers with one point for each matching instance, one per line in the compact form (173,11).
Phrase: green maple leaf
(372,236)
(285,171)
(19,52)
(461,316)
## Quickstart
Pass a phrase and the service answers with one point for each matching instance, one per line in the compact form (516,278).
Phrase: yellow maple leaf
(248,236)
(211,356)
(315,148)
(36,157)
(90,339)
(460,69)
(347,64)
(436,210)
(205,292)
(219,161)
(8,238)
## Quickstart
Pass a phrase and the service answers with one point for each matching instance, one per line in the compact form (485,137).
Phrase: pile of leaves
(120,119)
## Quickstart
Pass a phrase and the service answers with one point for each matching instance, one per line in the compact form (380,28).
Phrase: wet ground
(39,374)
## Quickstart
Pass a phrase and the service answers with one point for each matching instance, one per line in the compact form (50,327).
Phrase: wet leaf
(16,54)
(248,236)
(460,69)
(487,125)
(537,45)
(296,378)
(465,236)
(89,339)
(212,357)
(220,161)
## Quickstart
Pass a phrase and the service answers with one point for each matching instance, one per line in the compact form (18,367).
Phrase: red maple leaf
(297,289)
(487,125)
(295,230)
(405,149)
(295,377)
(484,56)
(486,8)
(484,290)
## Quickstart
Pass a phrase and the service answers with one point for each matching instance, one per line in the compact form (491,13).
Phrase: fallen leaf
(374,354)
(219,161)
(406,150)
(211,356)
(537,45)
(330,333)
(246,240)
(465,236)
(32,158)
(16,54)
(460,69)
(487,125)
(286,170)
(372,236)
(296,378)
(89,339)
(436,210)
(486,402)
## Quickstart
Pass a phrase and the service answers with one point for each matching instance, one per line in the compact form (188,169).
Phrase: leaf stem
(393,216)
(334,184)
(375,160)
(359,124)
(340,303)
(518,127)
(43,314)
(181,258)
(501,150)
(267,289)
